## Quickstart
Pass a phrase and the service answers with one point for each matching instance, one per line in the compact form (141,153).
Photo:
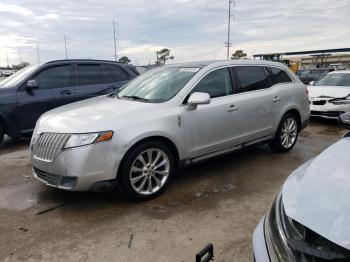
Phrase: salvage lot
(219,201)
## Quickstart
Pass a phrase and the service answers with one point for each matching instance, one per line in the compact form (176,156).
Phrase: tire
(141,179)
(286,135)
(2,133)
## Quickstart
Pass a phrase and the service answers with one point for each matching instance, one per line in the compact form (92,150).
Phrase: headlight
(76,140)
(279,230)
(341,101)
(33,141)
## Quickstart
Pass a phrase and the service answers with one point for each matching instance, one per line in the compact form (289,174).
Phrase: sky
(192,29)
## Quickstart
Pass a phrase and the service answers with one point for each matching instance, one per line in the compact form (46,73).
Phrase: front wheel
(146,171)
(286,135)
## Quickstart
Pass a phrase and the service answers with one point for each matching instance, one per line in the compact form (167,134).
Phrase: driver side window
(217,83)
(54,77)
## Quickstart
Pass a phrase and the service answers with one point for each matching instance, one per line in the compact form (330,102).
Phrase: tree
(163,55)
(238,54)
(124,60)
(20,66)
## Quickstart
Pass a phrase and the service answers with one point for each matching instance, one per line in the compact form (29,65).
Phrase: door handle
(66,92)
(232,108)
(276,99)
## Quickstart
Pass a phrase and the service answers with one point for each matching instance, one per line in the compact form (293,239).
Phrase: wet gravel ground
(219,201)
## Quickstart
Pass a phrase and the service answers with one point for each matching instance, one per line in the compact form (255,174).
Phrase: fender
(10,127)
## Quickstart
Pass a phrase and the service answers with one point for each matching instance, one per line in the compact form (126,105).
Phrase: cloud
(193,30)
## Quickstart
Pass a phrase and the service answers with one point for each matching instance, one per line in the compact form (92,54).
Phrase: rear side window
(113,73)
(54,77)
(279,76)
(216,84)
(89,74)
(252,78)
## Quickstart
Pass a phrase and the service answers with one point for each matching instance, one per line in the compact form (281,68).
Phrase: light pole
(65,45)
(228,43)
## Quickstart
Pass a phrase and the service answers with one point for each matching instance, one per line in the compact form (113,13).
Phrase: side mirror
(199,98)
(32,84)
(312,83)
(344,120)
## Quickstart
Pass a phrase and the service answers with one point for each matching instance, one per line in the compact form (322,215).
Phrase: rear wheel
(146,171)
(286,135)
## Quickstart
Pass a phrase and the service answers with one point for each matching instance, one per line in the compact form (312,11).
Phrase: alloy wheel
(149,171)
(289,132)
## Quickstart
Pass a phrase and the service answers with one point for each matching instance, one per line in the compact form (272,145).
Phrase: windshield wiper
(138,98)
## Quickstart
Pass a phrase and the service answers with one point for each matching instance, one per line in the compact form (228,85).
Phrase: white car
(330,95)
(6,73)
(168,117)
(309,219)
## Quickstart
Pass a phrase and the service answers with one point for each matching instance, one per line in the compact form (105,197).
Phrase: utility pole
(7,58)
(115,31)
(19,55)
(37,51)
(65,45)
(228,44)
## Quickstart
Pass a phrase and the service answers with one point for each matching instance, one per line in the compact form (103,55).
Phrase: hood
(91,115)
(329,91)
(317,194)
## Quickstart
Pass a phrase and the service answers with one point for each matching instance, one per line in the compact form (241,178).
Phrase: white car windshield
(334,79)
(18,76)
(157,85)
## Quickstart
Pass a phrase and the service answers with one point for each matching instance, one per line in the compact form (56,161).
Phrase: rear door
(114,76)
(55,88)
(88,81)
(255,101)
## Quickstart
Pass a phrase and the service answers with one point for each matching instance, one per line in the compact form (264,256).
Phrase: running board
(226,150)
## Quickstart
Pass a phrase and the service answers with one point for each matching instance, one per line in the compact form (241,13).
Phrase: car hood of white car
(91,115)
(328,91)
(317,194)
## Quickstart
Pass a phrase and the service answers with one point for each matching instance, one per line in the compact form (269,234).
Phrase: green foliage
(124,60)
(238,54)
(163,55)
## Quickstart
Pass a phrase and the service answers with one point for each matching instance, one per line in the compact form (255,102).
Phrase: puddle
(18,197)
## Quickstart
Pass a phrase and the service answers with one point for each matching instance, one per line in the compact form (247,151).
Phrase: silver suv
(169,117)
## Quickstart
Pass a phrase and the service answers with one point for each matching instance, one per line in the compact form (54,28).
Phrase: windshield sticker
(190,69)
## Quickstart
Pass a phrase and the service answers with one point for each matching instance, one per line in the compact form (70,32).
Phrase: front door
(217,125)
(54,90)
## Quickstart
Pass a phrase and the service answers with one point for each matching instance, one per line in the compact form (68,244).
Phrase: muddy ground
(219,201)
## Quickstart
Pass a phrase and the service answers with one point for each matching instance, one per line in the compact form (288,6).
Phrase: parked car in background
(330,95)
(313,74)
(309,219)
(168,117)
(6,73)
(32,91)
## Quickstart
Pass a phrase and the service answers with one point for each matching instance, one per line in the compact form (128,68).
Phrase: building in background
(336,58)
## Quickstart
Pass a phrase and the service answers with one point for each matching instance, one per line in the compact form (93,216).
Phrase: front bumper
(77,169)
(329,110)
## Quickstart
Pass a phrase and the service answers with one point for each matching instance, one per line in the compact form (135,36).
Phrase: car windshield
(335,79)
(18,76)
(158,85)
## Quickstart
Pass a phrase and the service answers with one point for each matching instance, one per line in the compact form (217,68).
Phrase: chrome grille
(49,145)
